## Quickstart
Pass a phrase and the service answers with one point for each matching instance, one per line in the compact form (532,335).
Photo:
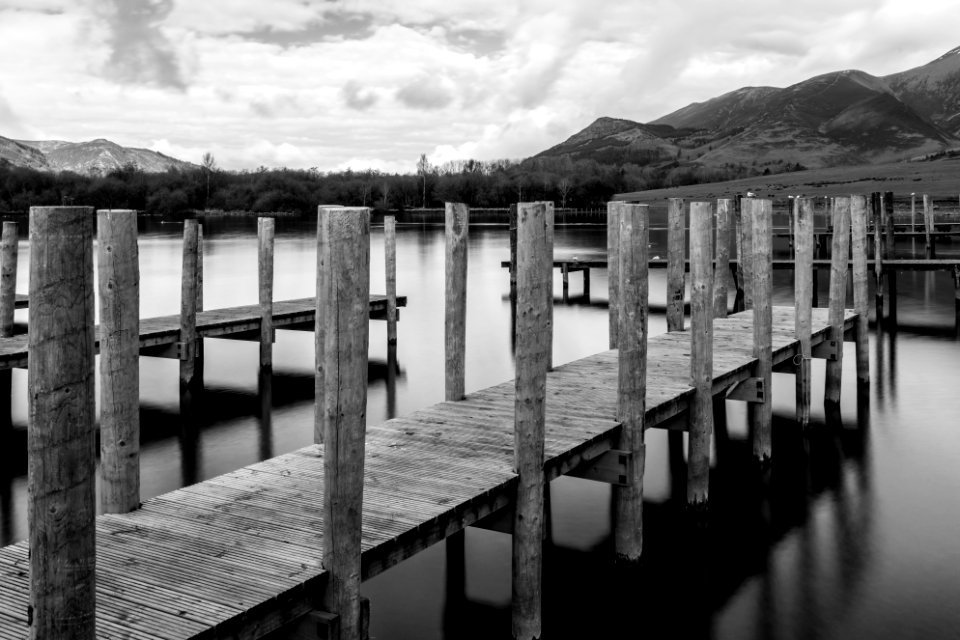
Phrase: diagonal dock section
(238,555)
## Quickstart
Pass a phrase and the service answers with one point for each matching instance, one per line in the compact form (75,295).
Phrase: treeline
(580,183)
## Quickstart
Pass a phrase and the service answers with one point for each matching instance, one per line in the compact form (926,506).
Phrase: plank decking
(165,330)
(238,555)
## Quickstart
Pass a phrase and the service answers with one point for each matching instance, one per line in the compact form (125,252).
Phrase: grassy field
(939,178)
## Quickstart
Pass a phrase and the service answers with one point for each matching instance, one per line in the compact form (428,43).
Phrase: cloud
(140,51)
(10,124)
(426,92)
(356,97)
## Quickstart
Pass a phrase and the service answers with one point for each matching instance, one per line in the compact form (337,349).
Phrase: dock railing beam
(534,280)
(861,299)
(840,255)
(188,305)
(119,284)
(803,301)
(455,299)
(614,211)
(344,313)
(759,286)
(676,259)
(634,291)
(8,278)
(265,243)
(721,269)
(390,265)
(701,353)
(61,439)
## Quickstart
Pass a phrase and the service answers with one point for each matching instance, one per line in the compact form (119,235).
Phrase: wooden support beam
(265,240)
(721,270)
(803,300)
(614,467)
(613,269)
(455,299)
(8,278)
(534,275)
(840,255)
(829,350)
(390,263)
(187,348)
(634,291)
(347,259)
(119,282)
(61,440)
(701,353)
(759,213)
(748,390)
(676,249)
(861,300)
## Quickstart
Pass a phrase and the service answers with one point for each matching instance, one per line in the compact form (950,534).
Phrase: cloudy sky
(374,83)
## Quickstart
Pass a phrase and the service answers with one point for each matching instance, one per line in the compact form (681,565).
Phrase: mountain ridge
(92,157)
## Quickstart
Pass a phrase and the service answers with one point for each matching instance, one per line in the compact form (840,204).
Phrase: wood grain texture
(759,213)
(548,265)
(321,299)
(614,211)
(346,343)
(118,264)
(803,301)
(455,299)
(840,254)
(701,352)
(61,440)
(721,271)
(861,297)
(390,265)
(188,303)
(746,254)
(676,249)
(8,278)
(532,355)
(265,243)
(634,288)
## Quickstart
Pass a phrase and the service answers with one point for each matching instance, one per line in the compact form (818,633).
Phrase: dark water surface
(854,534)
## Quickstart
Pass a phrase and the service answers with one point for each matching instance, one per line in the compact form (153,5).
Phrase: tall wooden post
(739,301)
(721,270)
(889,252)
(861,299)
(840,255)
(803,300)
(533,346)
(614,211)
(913,212)
(701,353)
(747,251)
(931,250)
(200,271)
(188,304)
(879,254)
(344,312)
(119,279)
(512,218)
(676,245)
(319,328)
(61,439)
(390,262)
(455,297)
(8,278)
(634,290)
(758,214)
(548,258)
(265,238)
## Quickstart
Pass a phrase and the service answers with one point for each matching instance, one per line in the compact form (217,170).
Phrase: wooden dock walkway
(239,555)
(164,331)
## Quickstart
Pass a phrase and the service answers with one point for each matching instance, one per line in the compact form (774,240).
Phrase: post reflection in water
(6,459)
(191,427)
(265,413)
(393,368)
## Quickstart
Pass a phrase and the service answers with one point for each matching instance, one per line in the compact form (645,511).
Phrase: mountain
(840,118)
(95,156)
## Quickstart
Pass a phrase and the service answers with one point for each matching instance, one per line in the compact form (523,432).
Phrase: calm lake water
(854,535)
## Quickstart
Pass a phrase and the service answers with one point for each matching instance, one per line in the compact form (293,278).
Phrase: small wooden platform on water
(239,555)
(229,322)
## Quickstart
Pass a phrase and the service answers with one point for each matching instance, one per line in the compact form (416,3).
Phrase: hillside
(88,158)
(841,118)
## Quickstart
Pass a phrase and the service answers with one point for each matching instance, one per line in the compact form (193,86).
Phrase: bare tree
(209,165)
(564,187)
(423,168)
(385,192)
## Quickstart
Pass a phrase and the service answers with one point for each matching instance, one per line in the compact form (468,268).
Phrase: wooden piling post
(913,212)
(861,300)
(188,304)
(840,255)
(747,252)
(614,211)
(634,288)
(738,300)
(888,224)
(676,246)
(319,328)
(455,297)
(721,269)
(879,254)
(61,439)
(199,269)
(390,262)
(548,259)
(758,214)
(803,300)
(265,241)
(345,311)
(119,282)
(512,221)
(533,346)
(701,353)
(8,278)
(928,228)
